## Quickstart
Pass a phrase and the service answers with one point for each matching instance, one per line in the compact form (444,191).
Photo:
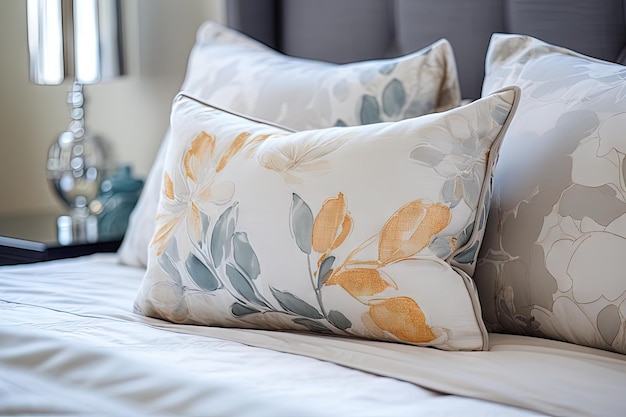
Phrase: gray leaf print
(167,259)
(427,155)
(200,274)
(337,319)
(244,255)
(387,68)
(242,285)
(296,305)
(440,246)
(468,256)
(223,233)
(394,98)
(325,271)
(239,310)
(450,192)
(370,111)
(301,223)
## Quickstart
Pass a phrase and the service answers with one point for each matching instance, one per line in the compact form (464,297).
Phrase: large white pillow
(235,72)
(552,263)
(365,231)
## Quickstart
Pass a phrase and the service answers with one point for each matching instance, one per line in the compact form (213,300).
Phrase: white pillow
(354,231)
(552,263)
(235,72)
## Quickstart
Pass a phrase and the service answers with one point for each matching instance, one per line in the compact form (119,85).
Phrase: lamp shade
(79,38)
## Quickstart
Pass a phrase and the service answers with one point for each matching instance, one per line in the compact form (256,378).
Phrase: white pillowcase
(237,73)
(361,231)
(552,263)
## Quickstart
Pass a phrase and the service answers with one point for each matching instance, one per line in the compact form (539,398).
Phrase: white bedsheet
(70,344)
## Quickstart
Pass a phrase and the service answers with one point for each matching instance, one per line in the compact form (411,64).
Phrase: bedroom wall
(130,113)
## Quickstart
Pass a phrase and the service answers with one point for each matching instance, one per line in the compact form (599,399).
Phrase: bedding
(71,343)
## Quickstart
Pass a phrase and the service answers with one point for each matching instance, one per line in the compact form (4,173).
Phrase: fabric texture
(368,231)
(72,347)
(238,73)
(552,263)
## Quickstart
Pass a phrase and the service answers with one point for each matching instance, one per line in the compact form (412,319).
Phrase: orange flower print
(232,150)
(200,149)
(400,316)
(194,188)
(332,224)
(359,282)
(388,313)
(410,229)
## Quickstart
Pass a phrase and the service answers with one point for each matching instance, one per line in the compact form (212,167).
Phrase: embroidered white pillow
(552,263)
(235,72)
(347,230)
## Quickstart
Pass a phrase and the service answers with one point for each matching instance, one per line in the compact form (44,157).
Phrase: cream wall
(130,113)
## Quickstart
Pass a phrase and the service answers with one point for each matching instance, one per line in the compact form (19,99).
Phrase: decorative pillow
(252,79)
(552,263)
(237,73)
(364,231)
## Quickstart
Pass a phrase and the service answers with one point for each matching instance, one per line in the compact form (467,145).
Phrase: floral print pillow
(552,262)
(356,231)
(235,72)
(250,78)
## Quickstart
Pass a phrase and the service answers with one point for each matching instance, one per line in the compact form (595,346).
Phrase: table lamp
(79,40)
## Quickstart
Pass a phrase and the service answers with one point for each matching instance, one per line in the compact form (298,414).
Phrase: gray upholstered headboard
(352,30)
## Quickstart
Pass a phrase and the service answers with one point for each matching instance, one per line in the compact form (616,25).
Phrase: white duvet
(70,345)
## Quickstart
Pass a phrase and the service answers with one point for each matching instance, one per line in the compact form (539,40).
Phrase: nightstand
(33,238)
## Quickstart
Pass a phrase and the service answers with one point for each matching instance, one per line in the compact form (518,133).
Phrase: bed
(514,149)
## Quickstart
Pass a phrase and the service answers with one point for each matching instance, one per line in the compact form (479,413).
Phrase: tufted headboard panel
(352,30)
